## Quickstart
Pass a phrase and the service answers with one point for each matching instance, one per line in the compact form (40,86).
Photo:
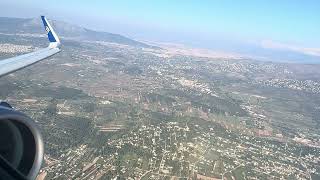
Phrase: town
(115,111)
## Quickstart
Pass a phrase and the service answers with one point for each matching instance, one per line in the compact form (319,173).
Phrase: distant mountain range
(63,29)
(269,51)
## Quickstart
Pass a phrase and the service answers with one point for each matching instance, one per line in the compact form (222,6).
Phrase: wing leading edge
(10,65)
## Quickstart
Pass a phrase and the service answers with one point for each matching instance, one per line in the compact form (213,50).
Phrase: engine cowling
(21,145)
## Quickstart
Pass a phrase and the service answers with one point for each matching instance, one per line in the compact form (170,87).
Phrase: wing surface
(10,65)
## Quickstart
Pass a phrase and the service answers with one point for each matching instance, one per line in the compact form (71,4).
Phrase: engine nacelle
(21,145)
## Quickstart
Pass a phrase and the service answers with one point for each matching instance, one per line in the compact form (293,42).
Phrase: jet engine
(21,145)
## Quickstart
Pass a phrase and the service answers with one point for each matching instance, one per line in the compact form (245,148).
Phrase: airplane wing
(10,65)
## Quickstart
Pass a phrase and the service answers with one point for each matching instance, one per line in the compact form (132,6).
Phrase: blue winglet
(52,36)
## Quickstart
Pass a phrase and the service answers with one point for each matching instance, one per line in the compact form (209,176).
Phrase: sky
(286,24)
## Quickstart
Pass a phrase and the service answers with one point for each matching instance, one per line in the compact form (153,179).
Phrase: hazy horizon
(254,28)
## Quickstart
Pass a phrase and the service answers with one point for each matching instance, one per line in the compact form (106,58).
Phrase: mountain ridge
(64,29)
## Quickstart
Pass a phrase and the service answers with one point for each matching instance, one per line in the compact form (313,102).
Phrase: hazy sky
(294,22)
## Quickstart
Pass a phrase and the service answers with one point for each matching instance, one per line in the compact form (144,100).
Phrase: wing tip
(52,36)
